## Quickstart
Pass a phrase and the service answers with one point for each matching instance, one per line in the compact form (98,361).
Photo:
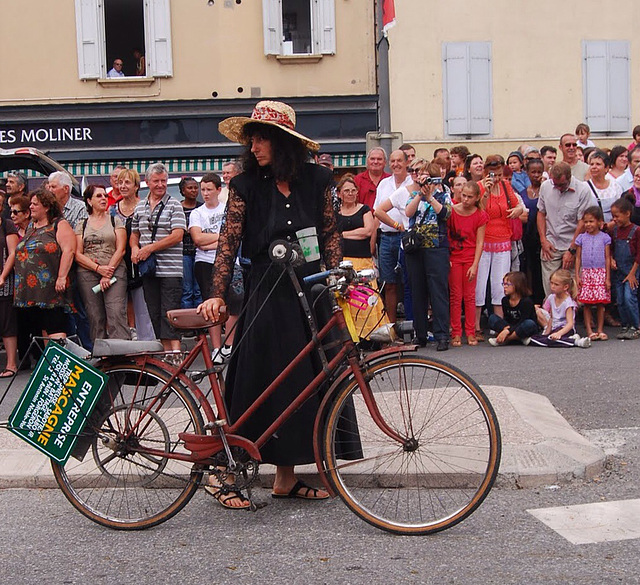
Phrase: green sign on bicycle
(56,403)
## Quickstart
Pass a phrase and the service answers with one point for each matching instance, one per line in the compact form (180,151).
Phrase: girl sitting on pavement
(519,322)
(593,276)
(561,306)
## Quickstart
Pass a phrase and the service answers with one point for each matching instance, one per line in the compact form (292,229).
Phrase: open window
(299,27)
(136,31)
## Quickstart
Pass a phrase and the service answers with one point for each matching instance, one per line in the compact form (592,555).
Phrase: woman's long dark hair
(288,152)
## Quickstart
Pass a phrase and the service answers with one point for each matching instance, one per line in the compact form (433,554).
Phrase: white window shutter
(158,35)
(324,29)
(594,75)
(89,39)
(272,26)
(456,88)
(480,83)
(619,87)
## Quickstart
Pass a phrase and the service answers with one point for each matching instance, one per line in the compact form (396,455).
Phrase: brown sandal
(472,340)
(456,341)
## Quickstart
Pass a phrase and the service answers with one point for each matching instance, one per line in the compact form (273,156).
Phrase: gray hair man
(157,229)
(562,202)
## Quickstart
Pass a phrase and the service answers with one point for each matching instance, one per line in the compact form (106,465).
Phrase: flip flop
(7,373)
(224,497)
(602,336)
(297,493)
(594,337)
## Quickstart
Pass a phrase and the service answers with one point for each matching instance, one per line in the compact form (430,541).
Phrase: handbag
(517,227)
(148,267)
(413,240)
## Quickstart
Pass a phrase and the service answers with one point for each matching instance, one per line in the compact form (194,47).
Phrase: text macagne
(75,134)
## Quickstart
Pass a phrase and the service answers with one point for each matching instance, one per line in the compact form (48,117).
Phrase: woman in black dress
(278,194)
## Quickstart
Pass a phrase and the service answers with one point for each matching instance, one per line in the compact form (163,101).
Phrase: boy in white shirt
(205,223)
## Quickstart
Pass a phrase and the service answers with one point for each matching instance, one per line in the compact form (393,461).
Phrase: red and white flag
(388,15)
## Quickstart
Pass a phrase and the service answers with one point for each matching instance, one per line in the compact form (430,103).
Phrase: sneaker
(632,333)
(623,333)
(493,341)
(583,342)
(226,351)
(443,345)
(575,337)
(526,341)
(217,358)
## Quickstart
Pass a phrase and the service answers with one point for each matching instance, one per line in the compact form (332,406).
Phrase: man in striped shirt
(162,290)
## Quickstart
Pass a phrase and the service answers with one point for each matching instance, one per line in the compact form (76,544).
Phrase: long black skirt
(271,331)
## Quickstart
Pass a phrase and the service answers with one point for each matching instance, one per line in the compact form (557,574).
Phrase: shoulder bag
(148,267)
(413,240)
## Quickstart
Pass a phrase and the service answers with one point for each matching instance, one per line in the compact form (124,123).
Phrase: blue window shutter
(594,75)
(158,32)
(89,39)
(272,26)
(480,88)
(619,87)
(467,88)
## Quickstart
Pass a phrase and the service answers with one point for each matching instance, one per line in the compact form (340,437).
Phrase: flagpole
(384,99)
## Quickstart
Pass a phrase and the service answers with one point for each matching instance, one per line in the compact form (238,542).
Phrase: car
(172,188)
(32,159)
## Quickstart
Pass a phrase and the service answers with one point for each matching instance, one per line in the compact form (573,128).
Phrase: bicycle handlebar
(313,278)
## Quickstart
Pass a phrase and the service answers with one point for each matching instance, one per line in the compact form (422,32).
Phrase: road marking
(590,523)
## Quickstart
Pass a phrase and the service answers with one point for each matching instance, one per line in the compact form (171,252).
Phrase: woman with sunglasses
(101,241)
(501,204)
(20,213)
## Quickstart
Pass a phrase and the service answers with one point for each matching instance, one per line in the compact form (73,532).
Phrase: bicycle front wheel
(112,476)
(445,464)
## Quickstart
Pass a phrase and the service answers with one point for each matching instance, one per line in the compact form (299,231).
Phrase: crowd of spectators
(448,237)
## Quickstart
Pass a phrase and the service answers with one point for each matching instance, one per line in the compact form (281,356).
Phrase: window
(606,88)
(466,73)
(110,29)
(299,27)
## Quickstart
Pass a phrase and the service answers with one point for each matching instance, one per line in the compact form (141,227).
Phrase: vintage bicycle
(411,444)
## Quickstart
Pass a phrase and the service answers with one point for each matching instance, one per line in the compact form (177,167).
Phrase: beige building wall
(215,49)
(536,64)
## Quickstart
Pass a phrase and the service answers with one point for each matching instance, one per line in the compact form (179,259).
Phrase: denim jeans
(191,296)
(627,299)
(523,330)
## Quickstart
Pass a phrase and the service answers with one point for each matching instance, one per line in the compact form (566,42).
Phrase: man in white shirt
(390,237)
(625,180)
(116,71)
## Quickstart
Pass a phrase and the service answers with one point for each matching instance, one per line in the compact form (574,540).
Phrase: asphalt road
(45,540)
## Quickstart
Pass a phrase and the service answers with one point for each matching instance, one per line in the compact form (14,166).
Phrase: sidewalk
(539,447)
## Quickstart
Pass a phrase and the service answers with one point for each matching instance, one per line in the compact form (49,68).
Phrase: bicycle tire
(126,489)
(447,464)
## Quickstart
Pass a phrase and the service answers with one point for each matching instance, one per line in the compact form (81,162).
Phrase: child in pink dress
(466,238)
(593,271)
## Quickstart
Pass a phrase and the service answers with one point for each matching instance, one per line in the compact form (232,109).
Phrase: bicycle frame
(203,447)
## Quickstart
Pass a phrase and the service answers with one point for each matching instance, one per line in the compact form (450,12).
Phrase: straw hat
(271,113)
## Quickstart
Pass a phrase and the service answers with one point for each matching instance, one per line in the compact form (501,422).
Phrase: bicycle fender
(318,425)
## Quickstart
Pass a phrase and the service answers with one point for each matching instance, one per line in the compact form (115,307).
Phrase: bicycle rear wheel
(447,462)
(109,477)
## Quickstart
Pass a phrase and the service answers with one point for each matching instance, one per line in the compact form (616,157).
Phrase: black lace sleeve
(228,244)
(330,236)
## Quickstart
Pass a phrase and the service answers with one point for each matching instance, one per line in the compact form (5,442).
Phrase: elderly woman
(357,225)
(101,240)
(501,204)
(278,194)
(43,260)
(8,322)
(128,186)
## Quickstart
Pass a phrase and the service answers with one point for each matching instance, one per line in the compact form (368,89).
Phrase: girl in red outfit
(466,238)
